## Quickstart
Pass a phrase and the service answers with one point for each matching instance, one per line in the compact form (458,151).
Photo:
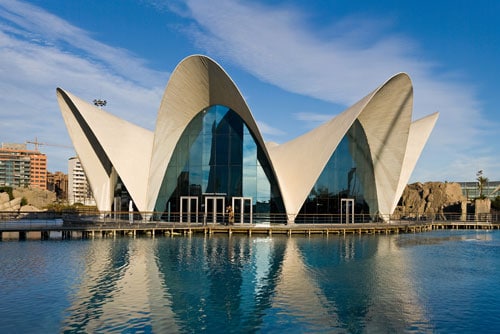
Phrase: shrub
(495,204)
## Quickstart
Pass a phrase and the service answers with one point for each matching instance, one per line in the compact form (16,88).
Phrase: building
(471,189)
(207,153)
(79,190)
(20,167)
(58,183)
(38,171)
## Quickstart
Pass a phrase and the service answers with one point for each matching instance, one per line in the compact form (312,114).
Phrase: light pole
(99,103)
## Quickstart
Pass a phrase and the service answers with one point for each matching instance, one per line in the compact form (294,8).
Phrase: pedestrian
(230,215)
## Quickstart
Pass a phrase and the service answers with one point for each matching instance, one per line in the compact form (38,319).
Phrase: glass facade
(347,175)
(218,156)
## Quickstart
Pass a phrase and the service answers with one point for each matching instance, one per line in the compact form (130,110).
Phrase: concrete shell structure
(112,150)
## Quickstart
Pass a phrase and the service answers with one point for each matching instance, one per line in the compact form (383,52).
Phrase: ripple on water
(406,283)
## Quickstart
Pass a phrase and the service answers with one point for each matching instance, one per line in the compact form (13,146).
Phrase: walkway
(48,229)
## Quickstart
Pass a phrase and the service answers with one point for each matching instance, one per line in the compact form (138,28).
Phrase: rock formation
(431,199)
(36,199)
(6,204)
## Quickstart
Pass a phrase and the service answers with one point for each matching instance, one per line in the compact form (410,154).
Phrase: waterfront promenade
(45,229)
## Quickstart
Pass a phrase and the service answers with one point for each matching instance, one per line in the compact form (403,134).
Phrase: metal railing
(103,217)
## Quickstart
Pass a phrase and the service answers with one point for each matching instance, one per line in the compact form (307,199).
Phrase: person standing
(230,215)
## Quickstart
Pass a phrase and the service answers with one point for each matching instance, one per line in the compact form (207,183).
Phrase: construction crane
(37,143)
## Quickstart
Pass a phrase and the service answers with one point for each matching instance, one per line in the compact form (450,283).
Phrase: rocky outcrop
(6,204)
(36,199)
(29,208)
(431,199)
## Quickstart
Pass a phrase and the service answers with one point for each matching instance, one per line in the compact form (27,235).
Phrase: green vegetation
(495,204)
(59,208)
(65,208)
(481,182)
(24,201)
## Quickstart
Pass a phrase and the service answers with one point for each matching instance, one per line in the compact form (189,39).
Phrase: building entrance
(347,210)
(214,209)
(189,209)
(243,209)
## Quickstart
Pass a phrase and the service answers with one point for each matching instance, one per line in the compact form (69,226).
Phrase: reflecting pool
(442,281)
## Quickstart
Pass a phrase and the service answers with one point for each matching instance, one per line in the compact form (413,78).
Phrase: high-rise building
(20,167)
(58,183)
(78,186)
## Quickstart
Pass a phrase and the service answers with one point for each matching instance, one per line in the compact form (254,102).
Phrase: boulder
(4,198)
(13,205)
(36,197)
(430,199)
(29,208)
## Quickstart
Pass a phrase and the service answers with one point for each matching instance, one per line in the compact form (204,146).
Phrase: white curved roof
(108,145)
(420,131)
(197,83)
(140,157)
(385,115)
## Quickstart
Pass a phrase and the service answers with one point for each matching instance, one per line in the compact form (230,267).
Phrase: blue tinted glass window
(217,154)
(348,174)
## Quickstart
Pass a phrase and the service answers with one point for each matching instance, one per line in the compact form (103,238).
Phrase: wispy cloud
(343,63)
(268,130)
(313,119)
(39,52)
(40,27)
(339,62)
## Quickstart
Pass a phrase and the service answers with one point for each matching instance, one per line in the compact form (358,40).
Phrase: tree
(495,204)
(481,182)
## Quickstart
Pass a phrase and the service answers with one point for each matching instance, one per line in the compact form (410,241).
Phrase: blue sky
(296,63)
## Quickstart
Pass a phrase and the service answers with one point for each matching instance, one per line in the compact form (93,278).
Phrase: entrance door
(214,209)
(243,209)
(189,209)
(347,211)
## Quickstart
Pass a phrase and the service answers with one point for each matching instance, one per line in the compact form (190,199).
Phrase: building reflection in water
(120,288)
(240,284)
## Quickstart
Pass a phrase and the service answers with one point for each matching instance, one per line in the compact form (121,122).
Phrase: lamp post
(99,103)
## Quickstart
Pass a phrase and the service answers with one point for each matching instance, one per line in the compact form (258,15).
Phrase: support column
(463,216)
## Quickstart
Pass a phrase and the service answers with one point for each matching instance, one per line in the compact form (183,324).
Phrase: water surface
(442,281)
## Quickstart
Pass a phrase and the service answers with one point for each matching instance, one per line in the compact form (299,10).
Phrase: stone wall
(482,209)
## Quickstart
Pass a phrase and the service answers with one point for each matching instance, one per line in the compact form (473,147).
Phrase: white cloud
(40,52)
(341,65)
(268,130)
(313,117)
(39,26)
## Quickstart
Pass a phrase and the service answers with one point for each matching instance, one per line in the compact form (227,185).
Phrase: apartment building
(20,167)
(79,190)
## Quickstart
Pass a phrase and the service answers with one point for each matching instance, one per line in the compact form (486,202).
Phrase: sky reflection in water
(403,283)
